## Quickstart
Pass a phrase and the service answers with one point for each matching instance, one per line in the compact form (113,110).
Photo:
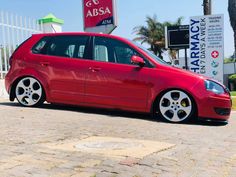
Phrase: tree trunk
(153,49)
(234,41)
(160,53)
(232,16)
(207,7)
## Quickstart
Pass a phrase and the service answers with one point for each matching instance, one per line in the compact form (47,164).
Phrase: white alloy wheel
(175,106)
(29,92)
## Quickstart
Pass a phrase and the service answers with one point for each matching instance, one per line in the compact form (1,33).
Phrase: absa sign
(99,15)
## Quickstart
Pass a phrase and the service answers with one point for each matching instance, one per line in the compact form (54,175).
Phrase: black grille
(222,111)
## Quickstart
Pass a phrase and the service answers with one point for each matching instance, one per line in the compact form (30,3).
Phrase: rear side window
(68,46)
(63,46)
(40,47)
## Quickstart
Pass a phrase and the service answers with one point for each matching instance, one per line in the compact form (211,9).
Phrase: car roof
(84,34)
(79,33)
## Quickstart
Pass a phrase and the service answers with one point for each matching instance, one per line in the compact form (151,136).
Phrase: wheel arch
(12,95)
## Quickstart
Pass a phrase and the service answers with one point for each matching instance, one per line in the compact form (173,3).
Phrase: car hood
(179,71)
(192,75)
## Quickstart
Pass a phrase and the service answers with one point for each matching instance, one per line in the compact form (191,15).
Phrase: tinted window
(151,54)
(123,54)
(68,46)
(81,51)
(103,50)
(111,50)
(101,53)
(39,48)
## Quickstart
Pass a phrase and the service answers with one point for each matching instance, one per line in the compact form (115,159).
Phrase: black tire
(175,106)
(29,92)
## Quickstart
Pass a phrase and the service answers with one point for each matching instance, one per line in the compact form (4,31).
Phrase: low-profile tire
(175,106)
(29,92)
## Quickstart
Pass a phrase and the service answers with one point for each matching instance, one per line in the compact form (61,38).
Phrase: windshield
(149,53)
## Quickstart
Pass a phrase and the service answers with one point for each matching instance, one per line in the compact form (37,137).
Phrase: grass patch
(233,93)
(234,103)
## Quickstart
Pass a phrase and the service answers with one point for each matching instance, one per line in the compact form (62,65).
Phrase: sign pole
(210,7)
(234,61)
(186,58)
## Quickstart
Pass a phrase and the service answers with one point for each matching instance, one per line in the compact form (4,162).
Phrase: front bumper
(216,107)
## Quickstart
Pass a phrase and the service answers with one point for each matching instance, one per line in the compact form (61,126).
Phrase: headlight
(214,87)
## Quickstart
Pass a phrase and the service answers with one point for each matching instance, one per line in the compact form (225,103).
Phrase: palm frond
(154,33)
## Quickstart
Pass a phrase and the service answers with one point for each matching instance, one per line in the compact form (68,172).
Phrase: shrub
(232,78)
(232,81)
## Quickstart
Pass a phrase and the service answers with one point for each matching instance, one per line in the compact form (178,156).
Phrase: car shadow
(114,113)
(87,110)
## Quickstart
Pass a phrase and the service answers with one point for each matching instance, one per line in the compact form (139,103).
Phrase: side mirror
(137,60)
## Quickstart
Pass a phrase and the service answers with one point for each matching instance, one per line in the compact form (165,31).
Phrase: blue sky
(131,13)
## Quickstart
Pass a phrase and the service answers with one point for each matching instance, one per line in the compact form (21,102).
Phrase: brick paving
(200,150)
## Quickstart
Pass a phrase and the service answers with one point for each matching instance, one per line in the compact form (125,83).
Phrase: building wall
(52,28)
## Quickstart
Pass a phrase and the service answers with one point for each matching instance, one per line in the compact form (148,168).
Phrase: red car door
(63,63)
(112,80)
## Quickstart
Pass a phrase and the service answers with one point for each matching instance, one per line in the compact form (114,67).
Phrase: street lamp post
(234,61)
(210,7)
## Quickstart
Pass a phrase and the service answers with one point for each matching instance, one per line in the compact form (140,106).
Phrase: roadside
(3,93)
(73,141)
(233,97)
(233,103)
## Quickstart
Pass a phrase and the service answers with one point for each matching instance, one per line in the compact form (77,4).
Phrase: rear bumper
(7,84)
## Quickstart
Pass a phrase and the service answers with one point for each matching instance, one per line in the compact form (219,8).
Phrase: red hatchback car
(107,71)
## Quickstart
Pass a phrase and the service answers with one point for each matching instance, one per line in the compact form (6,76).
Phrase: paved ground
(39,142)
(3,93)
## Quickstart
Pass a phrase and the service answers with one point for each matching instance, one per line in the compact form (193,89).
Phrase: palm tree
(151,34)
(232,16)
(154,34)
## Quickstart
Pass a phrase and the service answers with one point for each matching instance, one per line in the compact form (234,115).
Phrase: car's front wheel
(175,106)
(29,92)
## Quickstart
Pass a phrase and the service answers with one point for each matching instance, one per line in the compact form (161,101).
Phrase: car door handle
(94,69)
(44,63)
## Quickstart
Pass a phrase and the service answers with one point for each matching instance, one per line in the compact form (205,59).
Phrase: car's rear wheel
(175,106)
(29,92)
